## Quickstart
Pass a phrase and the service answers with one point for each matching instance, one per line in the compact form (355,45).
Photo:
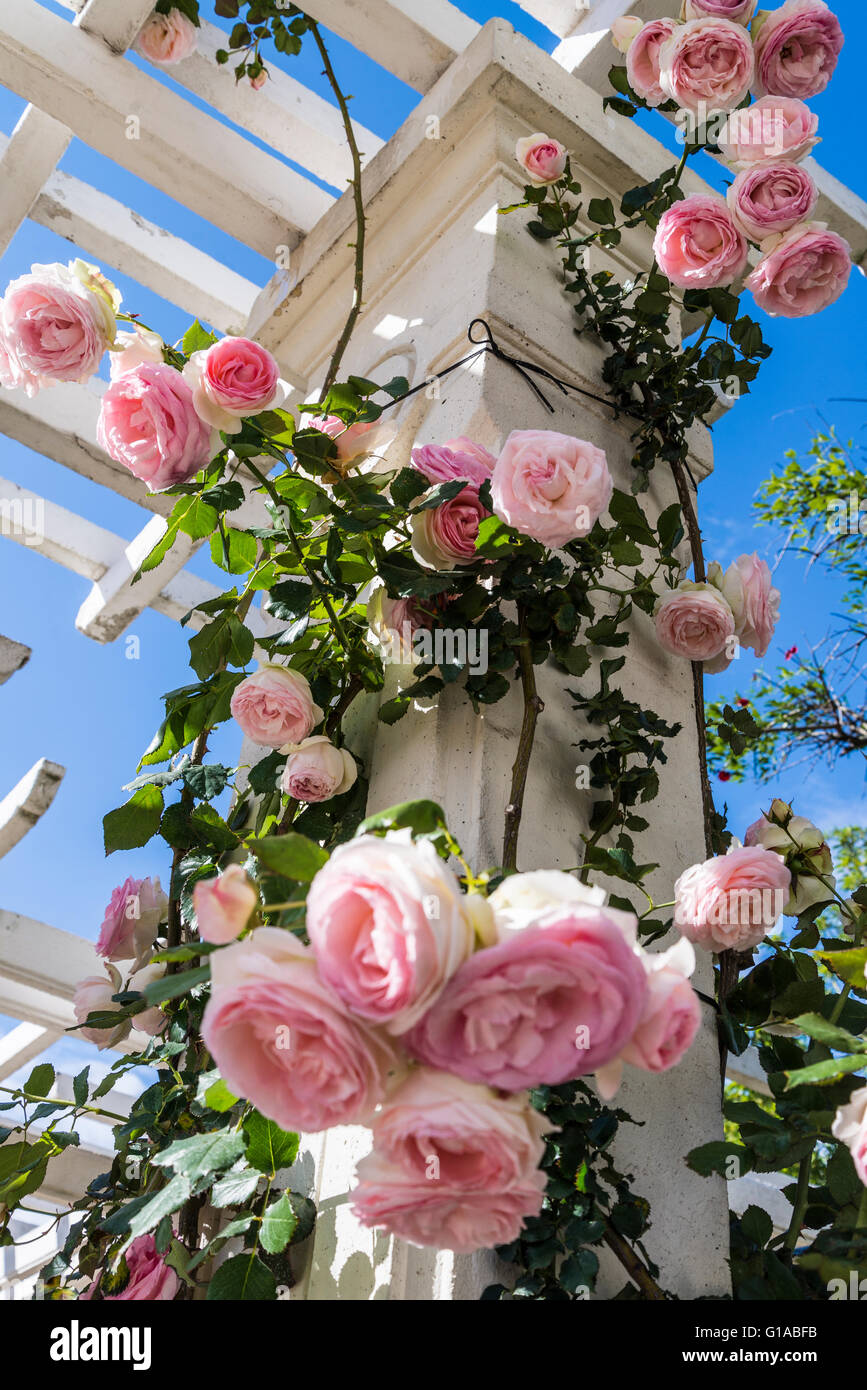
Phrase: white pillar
(439,255)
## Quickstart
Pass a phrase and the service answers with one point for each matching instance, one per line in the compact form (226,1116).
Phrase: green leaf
(424,818)
(173,986)
(207,780)
(22,1170)
(218,1097)
(757,1226)
(849,965)
(142,1217)
(626,512)
(243,1278)
(292,855)
(201,1154)
(80,1086)
(716,1157)
(235,551)
(823,1073)
(279,1225)
(269,1147)
(601,211)
(406,486)
(235,1187)
(196,339)
(815,1026)
(40,1080)
(132,825)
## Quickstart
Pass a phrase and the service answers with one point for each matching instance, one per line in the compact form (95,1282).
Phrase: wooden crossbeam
(415,39)
(28,801)
(141,124)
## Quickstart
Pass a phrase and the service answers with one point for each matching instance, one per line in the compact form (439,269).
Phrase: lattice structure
(202,144)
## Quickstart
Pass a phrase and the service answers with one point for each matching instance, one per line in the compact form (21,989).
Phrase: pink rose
(55,324)
(93,995)
(131,919)
(642,60)
(453,1166)
(797,48)
(132,349)
(283,1041)
(150,1278)
(167,39)
(694,621)
(443,463)
(463,445)
(315,770)
(551,1002)
(772,128)
(152,1020)
(444,537)
(148,423)
(542,159)
(697,245)
(389,925)
(224,905)
(738,11)
(850,1127)
(232,379)
(275,706)
(550,486)
(707,65)
(624,30)
(353,441)
(803,273)
(748,589)
(393,622)
(669,1021)
(733,901)
(771,199)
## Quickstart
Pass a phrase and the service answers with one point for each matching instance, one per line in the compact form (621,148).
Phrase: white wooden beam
(116,22)
(114,601)
(24,1042)
(748,1072)
(58,534)
(415,39)
(29,157)
(28,801)
(13,655)
(146,127)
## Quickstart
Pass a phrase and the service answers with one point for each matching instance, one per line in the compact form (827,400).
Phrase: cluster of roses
(427,1013)
(708,64)
(709,622)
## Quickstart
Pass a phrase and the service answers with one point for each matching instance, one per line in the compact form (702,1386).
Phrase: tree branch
(533,707)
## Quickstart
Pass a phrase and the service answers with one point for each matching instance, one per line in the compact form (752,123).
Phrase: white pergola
(79,84)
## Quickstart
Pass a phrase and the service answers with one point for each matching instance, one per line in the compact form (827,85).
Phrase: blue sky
(92,709)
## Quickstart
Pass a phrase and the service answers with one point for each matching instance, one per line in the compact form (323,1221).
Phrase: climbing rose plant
(315,963)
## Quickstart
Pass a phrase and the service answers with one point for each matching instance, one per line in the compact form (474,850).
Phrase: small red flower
(724,776)
(791,652)
(744,704)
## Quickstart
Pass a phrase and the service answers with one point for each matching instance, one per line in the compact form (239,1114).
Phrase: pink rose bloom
(749,591)
(707,65)
(797,48)
(624,30)
(353,441)
(738,11)
(549,1003)
(551,486)
(148,423)
(132,349)
(150,1278)
(669,1021)
(463,445)
(697,245)
(542,159)
(850,1127)
(55,324)
(694,621)
(444,463)
(93,995)
(642,60)
(167,39)
(224,905)
(152,1020)
(275,706)
(805,271)
(453,1165)
(771,199)
(315,770)
(772,128)
(392,622)
(733,901)
(389,925)
(131,919)
(284,1041)
(232,379)
(444,537)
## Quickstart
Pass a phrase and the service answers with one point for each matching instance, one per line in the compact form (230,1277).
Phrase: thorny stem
(73,1105)
(533,707)
(355,183)
(634,1266)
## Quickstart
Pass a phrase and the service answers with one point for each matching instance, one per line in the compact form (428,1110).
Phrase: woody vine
(317,961)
